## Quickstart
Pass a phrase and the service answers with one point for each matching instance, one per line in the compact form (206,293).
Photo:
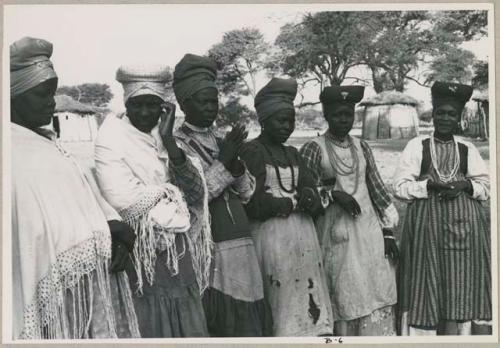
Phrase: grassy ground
(386,153)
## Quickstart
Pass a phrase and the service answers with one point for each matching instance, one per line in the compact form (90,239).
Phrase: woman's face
(201,108)
(280,126)
(35,107)
(446,118)
(340,118)
(144,111)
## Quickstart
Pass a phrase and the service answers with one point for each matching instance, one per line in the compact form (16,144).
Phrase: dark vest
(425,166)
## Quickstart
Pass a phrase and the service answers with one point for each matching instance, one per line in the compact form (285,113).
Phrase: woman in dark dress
(282,227)
(234,301)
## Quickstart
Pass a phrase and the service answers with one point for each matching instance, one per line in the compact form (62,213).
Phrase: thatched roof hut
(75,121)
(64,103)
(477,118)
(390,115)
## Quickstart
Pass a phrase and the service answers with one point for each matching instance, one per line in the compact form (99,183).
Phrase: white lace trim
(46,315)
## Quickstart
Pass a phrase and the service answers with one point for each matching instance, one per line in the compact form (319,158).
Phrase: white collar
(196,128)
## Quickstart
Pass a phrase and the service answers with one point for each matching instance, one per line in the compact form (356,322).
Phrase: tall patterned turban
(192,74)
(277,95)
(29,64)
(141,80)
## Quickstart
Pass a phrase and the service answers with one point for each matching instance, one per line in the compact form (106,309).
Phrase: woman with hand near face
(234,302)
(282,227)
(158,191)
(355,230)
(445,266)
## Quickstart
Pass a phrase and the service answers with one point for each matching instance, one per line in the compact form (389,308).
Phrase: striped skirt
(445,271)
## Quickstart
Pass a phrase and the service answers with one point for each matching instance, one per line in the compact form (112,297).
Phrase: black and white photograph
(269,173)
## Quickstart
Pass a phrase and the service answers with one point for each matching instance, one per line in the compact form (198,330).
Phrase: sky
(92,41)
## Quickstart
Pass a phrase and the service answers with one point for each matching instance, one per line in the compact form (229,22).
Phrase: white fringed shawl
(60,242)
(132,172)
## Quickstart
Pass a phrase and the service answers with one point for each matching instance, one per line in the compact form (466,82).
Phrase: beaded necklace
(276,169)
(450,176)
(340,167)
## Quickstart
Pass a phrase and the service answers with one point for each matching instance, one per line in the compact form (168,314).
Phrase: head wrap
(349,95)
(140,80)
(277,95)
(29,64)
(454,94)
(192,74)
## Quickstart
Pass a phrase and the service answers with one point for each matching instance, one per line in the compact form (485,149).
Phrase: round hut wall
(390,121)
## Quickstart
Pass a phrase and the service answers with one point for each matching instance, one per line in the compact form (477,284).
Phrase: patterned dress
(234,302)
(445,267)
(362,282)
(287,247)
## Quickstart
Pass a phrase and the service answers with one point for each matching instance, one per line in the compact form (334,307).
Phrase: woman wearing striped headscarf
(282,227)
(63,231)
(445,274)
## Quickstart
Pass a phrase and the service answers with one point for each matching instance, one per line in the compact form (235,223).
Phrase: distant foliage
(454,65)
(480,78)
(233,112)
(96,94)
(240,56)
(396,47)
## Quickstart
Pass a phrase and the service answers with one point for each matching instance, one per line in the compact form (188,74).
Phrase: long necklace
(276,169)
(340,167)
(442,176)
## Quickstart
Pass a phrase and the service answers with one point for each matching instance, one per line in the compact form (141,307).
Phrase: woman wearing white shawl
(158,191)
(61,243)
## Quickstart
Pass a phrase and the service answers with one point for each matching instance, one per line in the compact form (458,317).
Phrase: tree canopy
(239,57)
(96,94)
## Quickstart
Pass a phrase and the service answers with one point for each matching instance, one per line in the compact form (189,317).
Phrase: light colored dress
(361,280)
(172,263)
(290,260)
(61,248)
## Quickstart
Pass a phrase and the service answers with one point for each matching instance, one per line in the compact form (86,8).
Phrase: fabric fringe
(62,304)
(200,235)
(133,324)
(151,238)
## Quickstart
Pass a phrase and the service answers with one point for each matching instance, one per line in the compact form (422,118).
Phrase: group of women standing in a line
(211,236)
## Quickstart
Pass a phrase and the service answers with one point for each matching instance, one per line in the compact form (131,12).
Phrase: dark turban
(454,94)
(192,74)
(277,95)
(342,95)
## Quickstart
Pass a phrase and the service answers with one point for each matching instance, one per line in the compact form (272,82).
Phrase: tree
(403,41)
(97,94)
(239,57)
(451,29)
(414,40)
(233,112)
(453,65)
(324,46)
(480,78)
(467,25)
